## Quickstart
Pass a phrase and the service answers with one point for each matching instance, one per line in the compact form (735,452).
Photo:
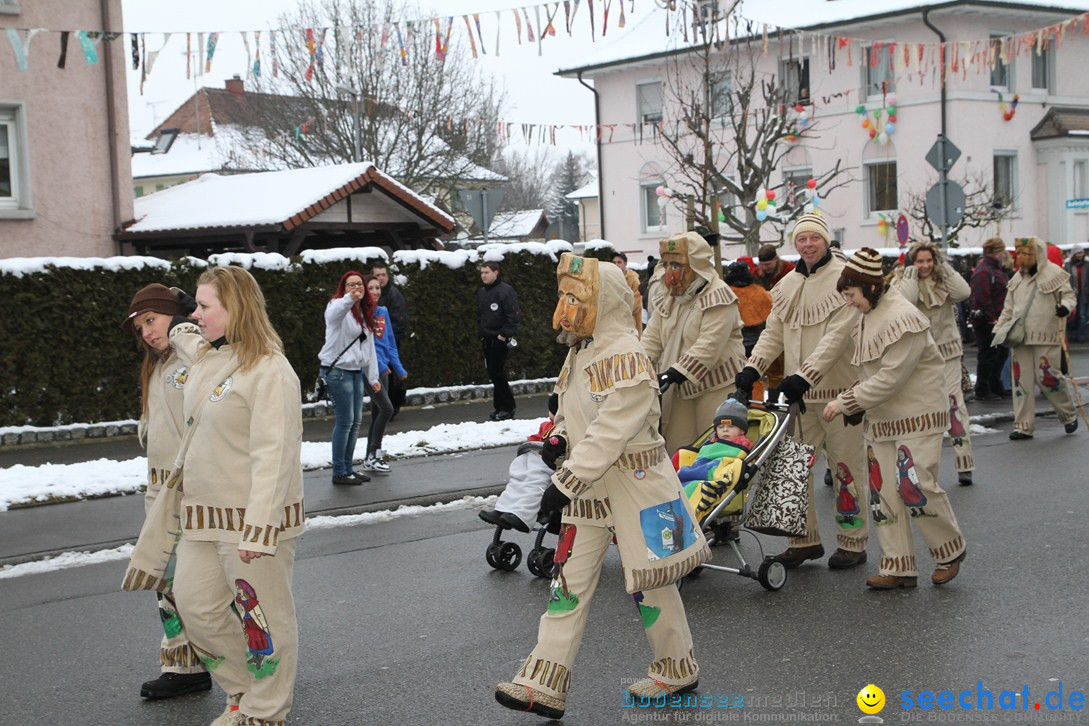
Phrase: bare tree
(530,177)
(427,115)
(982,208)
(732,129)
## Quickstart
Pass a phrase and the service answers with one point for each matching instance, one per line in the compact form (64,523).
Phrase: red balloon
(771,195)
(799,108)
(1008,115)
(873,132)
(892,119)
(812,183)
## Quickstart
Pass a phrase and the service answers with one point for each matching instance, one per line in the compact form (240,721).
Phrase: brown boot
(795,556)
(841,559)
(523,698)
(889,582)
(945,572)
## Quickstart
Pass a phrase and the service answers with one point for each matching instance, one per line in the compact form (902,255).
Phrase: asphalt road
(404,622)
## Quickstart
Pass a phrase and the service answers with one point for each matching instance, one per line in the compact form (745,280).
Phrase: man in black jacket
(989,281)
(394,302)
(497,324)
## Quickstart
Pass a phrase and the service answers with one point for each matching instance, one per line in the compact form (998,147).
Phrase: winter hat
(994,244)
(863,268)
(156,298)
(734,412)
(738,274)
(767,253)
(810,223)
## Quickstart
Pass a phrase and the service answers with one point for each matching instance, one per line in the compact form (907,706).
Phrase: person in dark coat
(394,302)
(988,283)
(497,324)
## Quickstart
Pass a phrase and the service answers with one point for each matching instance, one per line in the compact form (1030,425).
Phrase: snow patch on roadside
(66,560)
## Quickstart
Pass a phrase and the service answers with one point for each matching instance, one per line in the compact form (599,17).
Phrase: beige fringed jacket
(901,385)
(617,472)
(805,311)
(1052,288)
(935,300)
(164,427)
(701,336)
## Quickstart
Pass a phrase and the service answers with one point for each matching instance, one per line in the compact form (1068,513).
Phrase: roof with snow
(586,191)
(648,39)
(519,225)
(1060,121)
(286,198)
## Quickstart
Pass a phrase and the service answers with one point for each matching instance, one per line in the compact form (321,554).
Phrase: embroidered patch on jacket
(648,613)
(640,474)
(666,529)
(220,391)
(178,378)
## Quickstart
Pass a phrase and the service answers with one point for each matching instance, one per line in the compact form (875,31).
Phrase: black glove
(553,448)
(746,379)
(188,302)
(977,316)
(667,379)
(553,499)
(178,320)
(555,521)
(1062,311)
(794,388)
(742,396)
(853,419)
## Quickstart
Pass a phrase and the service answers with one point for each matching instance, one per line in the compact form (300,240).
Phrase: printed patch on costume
(956,428)
(494,307)
(877,507)
(847,508)
(172,624)
(640,474)
(1050,378)
(221,390)
(1019,390)
(178,378)
(596,398)
(666,529)
(210,660)
(648,613)
(255,629)
(908,486)
(560,599)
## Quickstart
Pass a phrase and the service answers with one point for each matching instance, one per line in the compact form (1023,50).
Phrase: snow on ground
(67,560)
(21,484)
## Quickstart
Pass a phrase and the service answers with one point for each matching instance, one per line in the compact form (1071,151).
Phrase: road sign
(482,205)
(947,214)
(943,161)
(1077,203)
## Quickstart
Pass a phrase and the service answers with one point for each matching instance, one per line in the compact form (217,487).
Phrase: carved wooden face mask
(576,310)
(1026,253)
(679,275)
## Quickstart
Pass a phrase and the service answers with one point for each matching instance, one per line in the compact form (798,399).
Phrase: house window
(720,87)
(137,191)
(9,7)
(1000,72)
(14,174)
(649,97)
(1041,70)
(794,74)
(881,193)
(654,218)
(877,77)
(1081,179)
(794,189)
(1005,178)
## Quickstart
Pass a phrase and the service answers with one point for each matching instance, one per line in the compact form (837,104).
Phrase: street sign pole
(484,207)
(943,204)
(942,155)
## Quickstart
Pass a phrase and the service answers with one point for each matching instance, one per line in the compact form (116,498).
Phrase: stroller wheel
(546,563)
(531,562)
(490,554)
(772,574)
(508,557)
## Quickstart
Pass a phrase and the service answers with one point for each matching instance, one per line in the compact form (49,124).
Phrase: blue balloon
(890,128)
(761,215)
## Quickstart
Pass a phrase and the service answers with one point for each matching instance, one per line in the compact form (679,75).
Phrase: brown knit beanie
(864,268)
(810,223)
(767,253)
(994,244)
(156,298)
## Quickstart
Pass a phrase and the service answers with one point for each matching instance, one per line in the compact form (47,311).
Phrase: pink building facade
(65,175)
(1035,164)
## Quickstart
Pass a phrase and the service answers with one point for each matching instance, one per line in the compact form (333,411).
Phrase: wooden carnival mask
(1025,247)
(679,274)
(576,310)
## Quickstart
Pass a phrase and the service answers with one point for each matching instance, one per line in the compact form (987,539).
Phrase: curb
(320,409)
(422,501)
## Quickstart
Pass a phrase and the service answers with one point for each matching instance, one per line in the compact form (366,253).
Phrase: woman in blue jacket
(385,344)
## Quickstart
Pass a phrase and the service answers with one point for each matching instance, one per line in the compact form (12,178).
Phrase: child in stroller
(519,505)
(718,463)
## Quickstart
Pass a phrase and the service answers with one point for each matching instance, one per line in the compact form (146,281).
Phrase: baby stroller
(722,524)
(516,509)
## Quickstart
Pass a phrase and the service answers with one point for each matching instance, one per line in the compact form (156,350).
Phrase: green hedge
(64,358)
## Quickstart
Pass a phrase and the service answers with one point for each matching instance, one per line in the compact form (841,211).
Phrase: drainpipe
(111,118)
(600,171)
(942,178)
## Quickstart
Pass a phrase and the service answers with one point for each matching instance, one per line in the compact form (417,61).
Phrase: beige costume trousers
(548,667)
(241,620)
(958,418)
(1038,365)
(846,460)
(690,417)
(175,654)
(903,480)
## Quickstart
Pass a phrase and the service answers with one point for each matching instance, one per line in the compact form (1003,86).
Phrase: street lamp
(357,151)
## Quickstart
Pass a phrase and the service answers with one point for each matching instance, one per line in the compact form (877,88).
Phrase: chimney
(235,86)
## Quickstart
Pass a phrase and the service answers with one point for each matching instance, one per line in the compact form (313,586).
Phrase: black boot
(169,685)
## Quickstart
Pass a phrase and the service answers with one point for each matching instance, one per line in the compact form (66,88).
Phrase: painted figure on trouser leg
(901,397)
(616,485)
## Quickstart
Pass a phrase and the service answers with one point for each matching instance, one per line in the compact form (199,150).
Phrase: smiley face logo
(871,699)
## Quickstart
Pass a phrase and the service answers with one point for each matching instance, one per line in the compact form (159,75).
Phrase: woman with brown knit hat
(162,383)
(903,415)
(931,283)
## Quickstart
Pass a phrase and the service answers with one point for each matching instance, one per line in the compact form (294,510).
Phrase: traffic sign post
(945,200)
(482,204)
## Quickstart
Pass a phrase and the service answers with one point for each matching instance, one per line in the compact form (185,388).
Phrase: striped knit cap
(810,223)
(864,268)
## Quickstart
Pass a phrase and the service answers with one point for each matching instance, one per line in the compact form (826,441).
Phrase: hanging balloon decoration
(1007,111)
(664,193)
(879,130)
(813,206)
